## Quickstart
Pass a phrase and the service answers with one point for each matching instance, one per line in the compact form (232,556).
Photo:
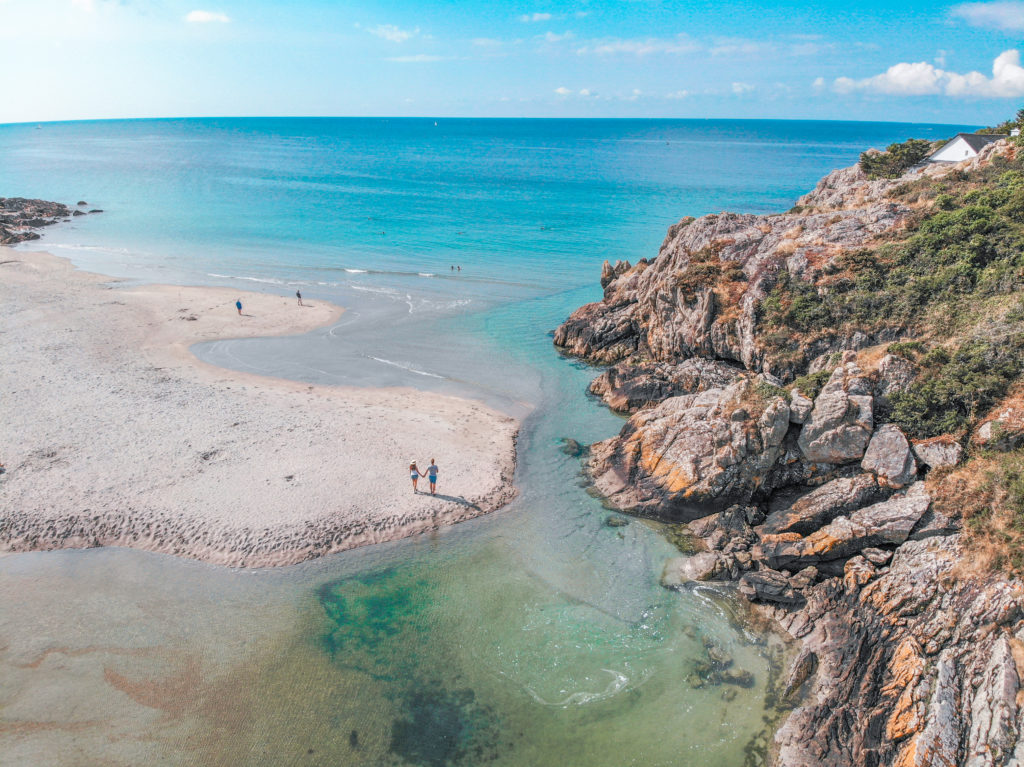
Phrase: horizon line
(468,117)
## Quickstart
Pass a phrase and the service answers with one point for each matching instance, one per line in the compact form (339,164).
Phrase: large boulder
(882,524)
(696,454)
(890,458)
(705,566)
(841,422)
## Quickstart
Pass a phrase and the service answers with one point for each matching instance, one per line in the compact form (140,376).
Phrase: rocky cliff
(803,392)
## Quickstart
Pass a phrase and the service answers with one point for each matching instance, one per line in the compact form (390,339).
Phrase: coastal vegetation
(950,284)
(896,159)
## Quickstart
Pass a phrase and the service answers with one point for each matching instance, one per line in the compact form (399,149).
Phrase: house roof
(977,141)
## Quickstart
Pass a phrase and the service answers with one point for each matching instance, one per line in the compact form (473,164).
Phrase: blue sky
(911,60)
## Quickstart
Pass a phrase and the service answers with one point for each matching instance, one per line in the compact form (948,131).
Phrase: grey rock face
(769,585)
(886,523)
(914,667)
(890,458)
(647,313)
(694,454)
(823,504)
(609,273)
(842,419)
(628,388)
(800,407)
(895,374)
(938,452)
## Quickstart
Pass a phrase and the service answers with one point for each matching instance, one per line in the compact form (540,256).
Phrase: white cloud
(85,5)
(677,95)
(610,46)
(393,33)
(1007,15)
(419,58)
(924,79)
(585,92)
(553,37)
(818,84)
(741,88)
(200,17)
(534,17)
(487,42)
(563,91)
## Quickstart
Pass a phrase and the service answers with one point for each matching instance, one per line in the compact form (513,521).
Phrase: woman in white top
(414,472)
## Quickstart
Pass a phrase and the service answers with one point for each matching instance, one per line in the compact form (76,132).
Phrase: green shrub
(909,350)
(895,160)
(953,389)
(811,385)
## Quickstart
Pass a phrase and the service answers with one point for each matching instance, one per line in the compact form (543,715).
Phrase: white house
(964,147)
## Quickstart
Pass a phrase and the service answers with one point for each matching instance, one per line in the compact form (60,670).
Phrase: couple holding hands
(430,474)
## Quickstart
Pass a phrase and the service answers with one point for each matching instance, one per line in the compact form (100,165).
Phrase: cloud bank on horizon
(923,61)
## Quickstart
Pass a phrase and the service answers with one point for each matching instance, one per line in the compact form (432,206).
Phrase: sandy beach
(116,435)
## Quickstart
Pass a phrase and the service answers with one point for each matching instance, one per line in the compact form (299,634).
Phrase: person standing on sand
(432,476)
(298,295)
(414,472)
(238,305)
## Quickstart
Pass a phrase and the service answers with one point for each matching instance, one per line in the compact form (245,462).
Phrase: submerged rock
(704,566)
(571,447)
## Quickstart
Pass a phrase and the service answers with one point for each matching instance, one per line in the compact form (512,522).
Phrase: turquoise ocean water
(534,636)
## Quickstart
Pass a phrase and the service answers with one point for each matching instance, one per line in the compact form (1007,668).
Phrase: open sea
(533,636)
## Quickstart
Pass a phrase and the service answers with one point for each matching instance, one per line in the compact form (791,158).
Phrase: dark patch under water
(440,727)
(373,621)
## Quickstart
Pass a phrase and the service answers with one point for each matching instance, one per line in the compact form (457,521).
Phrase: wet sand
(116,435)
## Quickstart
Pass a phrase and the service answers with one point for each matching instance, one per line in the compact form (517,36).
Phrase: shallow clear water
(536,635)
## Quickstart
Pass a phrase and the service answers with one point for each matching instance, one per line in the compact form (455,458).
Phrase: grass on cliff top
(953,280)
(988,491)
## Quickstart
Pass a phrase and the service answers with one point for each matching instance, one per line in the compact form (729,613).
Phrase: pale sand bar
(114,434)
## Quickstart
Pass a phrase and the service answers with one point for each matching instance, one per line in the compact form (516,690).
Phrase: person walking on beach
(298,295)
(414,472)
(432,476)
(238,305)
